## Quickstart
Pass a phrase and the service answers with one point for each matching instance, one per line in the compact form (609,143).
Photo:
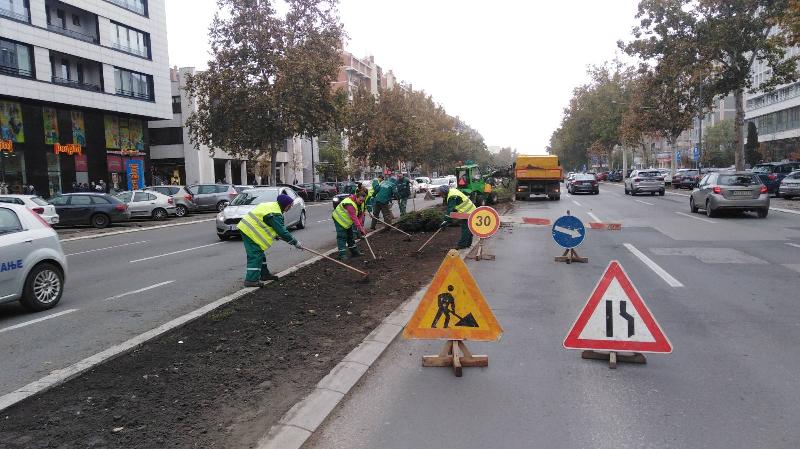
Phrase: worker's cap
(285,201)
(444,188)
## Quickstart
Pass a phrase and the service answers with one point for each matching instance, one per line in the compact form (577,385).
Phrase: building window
(62,17)
(76,20)
(130,40)
(176,104)
(133,84)
(137,6)
(16,9)
(16,59)
(166,136)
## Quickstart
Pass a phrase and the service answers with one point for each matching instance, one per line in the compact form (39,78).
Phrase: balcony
(137,6)
(70,21)
(77,84)
(22,14)
(132,94)
(74,34)
(77,73)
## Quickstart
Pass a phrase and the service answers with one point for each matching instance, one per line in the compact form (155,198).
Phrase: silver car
(742,191)
(34,203)
(246,201)
(645,181)
(148,204)
(184,201)
(212,196)
(32,264)
(790,185)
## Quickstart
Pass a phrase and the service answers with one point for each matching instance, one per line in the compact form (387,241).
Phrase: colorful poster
(11,122)
(136,135)
(134,170)
(50,119)
(112,131)
(78,128)
(114,163)
(124,134)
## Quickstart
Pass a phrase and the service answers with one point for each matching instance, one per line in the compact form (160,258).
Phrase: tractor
(477,187)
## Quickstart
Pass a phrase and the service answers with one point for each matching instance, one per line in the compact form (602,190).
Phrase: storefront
(63,149)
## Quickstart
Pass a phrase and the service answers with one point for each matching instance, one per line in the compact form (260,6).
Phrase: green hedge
(423,220)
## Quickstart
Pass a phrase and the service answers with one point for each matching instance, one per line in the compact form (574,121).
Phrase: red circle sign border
(488,234)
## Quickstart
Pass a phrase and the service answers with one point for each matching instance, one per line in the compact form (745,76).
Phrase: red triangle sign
(616,319)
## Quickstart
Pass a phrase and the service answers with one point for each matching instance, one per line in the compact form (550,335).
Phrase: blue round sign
(568,232)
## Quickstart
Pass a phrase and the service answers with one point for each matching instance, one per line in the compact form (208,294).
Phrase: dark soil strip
(226,378)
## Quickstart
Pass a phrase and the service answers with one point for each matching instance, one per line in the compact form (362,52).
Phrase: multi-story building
(79,79)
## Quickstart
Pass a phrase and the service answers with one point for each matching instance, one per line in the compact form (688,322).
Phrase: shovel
(429,240)
(370,247)
(408,236)
(363,273)
(466,321)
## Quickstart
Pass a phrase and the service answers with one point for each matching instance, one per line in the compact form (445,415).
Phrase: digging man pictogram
(447,306)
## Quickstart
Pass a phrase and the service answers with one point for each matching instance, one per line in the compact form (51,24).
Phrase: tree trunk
(738,127)
(273,165)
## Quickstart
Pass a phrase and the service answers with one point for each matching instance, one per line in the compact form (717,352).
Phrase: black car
(96,209)
(301,191)
(687,180)
(615,176)
(584,182)
(772,173)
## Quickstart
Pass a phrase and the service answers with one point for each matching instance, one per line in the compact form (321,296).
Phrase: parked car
(730,190)
(301,191)
(423,183)
(649,180)
(667,174)
(772,173)
(34,203)
(230,216)
(33,267)
(242,188)
(151,204)
(584,182)
(790,185)
(570,177)
(615,176)
(183,200)
(676,178)
(433,187)
(602,176)
(689,179)
(212,196)
(323,191)
(85,208)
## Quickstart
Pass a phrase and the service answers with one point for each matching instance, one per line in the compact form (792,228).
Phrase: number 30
(484,220)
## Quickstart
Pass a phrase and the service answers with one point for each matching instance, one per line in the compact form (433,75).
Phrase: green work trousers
(382,208)
(466,235)
(345,240)
(402,202)
(256,260)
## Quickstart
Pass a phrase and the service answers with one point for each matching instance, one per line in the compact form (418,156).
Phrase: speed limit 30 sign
(484,222)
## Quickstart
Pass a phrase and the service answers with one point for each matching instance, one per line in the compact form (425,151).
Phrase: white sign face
(615,318)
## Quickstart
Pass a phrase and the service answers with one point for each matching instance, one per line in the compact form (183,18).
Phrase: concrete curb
(128,231)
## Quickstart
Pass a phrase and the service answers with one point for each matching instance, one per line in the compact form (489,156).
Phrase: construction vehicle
(538,175)
(476,186)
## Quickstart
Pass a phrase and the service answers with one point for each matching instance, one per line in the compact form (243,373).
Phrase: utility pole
(700,132)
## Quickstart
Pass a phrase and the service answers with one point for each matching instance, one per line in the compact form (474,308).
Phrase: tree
(752,155)
(333,161)
(269,77)
(718,144)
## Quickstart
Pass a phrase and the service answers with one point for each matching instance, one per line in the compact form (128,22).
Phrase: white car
(645,181)
(34,203)
(667,174)
(32,264)
(433,187)
(423,183)
(148,204)
(229,218)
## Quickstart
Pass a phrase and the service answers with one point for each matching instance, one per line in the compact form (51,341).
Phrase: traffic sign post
(614,319)
(568,233)
(483,223)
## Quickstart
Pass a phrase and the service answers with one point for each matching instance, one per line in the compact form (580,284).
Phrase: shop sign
(114,164)
(69,149)
(7,145)
(134,169)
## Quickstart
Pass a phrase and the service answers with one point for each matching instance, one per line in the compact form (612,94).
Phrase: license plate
(742,193)
(231,227)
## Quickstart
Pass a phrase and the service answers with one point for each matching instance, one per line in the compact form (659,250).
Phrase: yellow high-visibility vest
(341,216)
(253,226)
(466,206)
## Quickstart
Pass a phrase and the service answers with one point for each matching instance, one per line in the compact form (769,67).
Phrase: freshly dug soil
(223,380)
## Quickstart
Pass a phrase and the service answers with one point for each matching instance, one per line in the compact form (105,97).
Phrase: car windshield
(737,180)
(39,201)
(440,181)
(421,180)
(586,177)
(763,169)
(254,197)
(648,174)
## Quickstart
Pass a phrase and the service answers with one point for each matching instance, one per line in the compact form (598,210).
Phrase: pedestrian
(460,203)
(259,228)
(403,192)
(345,218)
(103,186)
(383,202)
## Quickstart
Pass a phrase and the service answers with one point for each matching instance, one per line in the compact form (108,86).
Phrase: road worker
(459,203)
(345,218)
(403,192)
(383,201)
(259,228)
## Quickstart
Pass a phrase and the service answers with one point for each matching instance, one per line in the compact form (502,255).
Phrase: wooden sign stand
(570,256)
(613,357)
(479,254)
(449,356)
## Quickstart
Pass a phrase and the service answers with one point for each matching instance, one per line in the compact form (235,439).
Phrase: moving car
(790,185)
(33,267)
(643,181)
(689,179)
(433,187)
(570,177)
(212,196)
(584,182)
(85,208)
(667,174)
(148,204)
(730,190)
(772,173)
(246,201)
(34,203)
(423,183)
(183,200)
(615,176)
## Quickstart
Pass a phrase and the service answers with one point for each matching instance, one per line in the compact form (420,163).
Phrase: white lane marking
(794,244)
(786,211)
(577,203)
(594,217)
(175,252)
(676,193)
(128,231)
(706,220)
(323,221)
(121,295)
(37,320)
(654,266)
(645,202)
(108,247)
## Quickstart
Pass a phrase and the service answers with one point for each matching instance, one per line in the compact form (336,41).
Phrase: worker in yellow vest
(460,203)
(259,229)
(345,218)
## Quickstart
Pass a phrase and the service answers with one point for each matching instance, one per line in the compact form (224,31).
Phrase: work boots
(355,252)
(343,256)
(268,277)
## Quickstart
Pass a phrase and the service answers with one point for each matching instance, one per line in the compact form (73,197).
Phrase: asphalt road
(726,297)
(121,285)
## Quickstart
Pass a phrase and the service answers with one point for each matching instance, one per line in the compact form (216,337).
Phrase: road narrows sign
(484,222)
(453,308)
(568,232)
(615,318)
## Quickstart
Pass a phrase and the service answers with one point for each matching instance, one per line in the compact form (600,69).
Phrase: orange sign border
(483,235)
(451,262)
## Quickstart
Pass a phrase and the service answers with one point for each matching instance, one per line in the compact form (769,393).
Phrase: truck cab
(472,183)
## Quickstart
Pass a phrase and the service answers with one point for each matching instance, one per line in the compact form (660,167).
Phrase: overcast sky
(506,67)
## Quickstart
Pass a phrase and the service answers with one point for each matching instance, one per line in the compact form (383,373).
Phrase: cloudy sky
(506,67)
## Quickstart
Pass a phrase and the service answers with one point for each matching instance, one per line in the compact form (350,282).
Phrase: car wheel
(660,193)
(160,214)
(692,206)
(223,237)
(180,210)
(652,193)
(221,205)
(43,287)
(627,192)
(709,212)
(762,213)
(100,221)
(302,223)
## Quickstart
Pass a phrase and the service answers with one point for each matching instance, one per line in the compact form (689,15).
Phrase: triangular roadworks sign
(616,319)
(453,308)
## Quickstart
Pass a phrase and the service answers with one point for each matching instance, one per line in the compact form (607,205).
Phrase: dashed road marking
(175,252)
(577,203)
(794,244)
(645,202)
(705,220)
(122,295)
(37,320)
(108,247)
(662,273)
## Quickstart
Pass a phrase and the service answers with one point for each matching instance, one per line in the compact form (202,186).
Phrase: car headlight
(220,217)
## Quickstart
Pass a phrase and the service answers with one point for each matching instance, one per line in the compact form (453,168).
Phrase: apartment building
(79,79)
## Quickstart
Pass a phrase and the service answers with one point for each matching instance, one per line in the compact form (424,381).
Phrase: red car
(602,176)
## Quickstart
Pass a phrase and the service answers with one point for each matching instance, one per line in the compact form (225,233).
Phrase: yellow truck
(538,175)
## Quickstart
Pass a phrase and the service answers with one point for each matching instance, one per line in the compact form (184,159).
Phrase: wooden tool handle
(428,241)
(336,261)
(387,224)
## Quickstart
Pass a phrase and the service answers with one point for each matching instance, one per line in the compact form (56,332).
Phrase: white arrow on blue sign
(568,232)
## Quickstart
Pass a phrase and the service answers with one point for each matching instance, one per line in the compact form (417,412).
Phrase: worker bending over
(345,218)
(383,201)
(460,203)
